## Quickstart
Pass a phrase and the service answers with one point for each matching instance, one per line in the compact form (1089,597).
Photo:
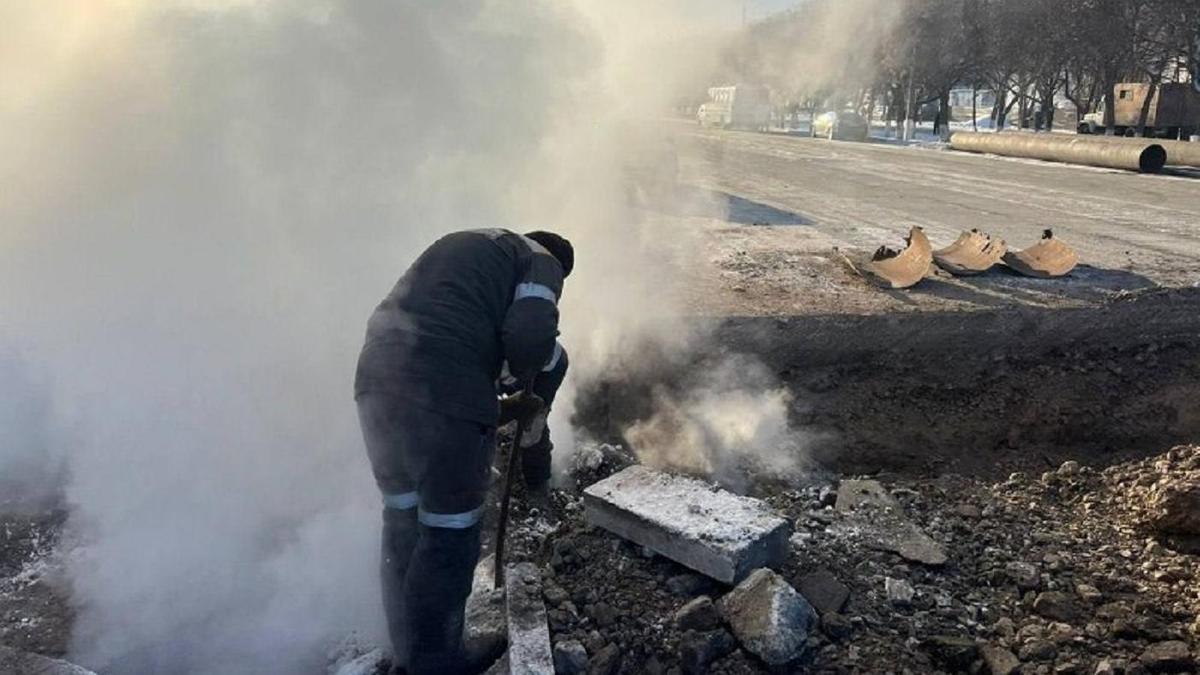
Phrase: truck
(739,106)
(1174,111)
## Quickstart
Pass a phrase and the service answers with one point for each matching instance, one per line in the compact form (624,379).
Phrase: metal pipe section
(1147,157)
(1179,153)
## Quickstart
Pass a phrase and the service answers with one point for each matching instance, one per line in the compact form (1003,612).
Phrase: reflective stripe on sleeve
(453,521)
(533,290)
(553,362)
(402,501)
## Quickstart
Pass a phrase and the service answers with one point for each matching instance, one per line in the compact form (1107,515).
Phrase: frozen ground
(791,200)
(944,389)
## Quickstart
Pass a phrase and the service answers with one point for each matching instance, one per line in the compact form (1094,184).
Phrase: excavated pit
(978,393)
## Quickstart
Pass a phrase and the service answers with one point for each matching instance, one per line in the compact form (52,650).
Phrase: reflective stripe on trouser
(402,501)
(454,521)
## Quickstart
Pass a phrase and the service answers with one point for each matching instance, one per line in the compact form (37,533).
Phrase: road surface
(777,206)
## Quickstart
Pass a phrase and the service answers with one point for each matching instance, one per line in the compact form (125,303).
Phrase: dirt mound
(1059,572)
(1162,495)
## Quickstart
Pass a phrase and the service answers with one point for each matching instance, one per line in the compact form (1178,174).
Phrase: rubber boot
(435,594)
(400,533)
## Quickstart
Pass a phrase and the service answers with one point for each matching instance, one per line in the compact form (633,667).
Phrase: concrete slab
(710,530)
(529,651)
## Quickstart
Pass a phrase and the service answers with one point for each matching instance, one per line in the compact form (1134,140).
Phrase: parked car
(840,126)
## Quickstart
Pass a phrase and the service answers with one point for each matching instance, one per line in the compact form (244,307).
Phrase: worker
(477,307)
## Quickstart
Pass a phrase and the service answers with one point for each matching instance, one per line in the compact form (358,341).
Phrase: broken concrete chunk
(26,663)
(823,591)
(769,617)
(902,269)
(486,626)
(1047,259)
(689,521)
(972,253)
(529,650)
(874,515)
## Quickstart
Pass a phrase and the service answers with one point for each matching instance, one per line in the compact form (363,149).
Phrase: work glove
(523,406)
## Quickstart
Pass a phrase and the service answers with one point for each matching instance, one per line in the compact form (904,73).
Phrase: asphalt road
(803,196)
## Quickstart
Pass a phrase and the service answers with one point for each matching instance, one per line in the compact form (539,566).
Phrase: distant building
(961,98)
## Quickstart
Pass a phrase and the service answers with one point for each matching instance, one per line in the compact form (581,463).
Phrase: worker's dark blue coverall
(426,388)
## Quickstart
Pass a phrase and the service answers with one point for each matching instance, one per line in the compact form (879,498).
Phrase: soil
(978,393)
(1057,570)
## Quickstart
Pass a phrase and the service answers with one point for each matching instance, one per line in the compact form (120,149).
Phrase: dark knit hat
(558,247)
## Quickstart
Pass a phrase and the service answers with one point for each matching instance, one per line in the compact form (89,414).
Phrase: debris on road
(1048,259)
(901,269)
(972,253)
(710,530)
(769,618)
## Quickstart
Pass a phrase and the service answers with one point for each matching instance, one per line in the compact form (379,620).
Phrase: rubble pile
(1163,494)
(1071,571)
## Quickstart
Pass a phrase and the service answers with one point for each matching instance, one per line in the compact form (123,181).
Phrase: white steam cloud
(202,202)
(731,423)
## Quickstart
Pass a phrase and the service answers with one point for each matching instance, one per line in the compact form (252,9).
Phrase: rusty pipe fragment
(1179,153)
(972,253)
(901,269)
(1145,156)
(1047,259)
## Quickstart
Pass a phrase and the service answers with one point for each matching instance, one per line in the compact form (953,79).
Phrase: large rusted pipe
(1179,153)
(1147,156)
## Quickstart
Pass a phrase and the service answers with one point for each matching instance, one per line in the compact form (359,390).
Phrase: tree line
(899,58)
